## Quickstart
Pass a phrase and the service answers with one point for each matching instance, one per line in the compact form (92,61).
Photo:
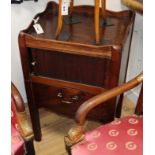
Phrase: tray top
(83,32)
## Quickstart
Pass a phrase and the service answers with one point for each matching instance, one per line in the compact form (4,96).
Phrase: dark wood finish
(66,84)
(29,147)
(119,106)
(28,85)
(73,67)
(139,107)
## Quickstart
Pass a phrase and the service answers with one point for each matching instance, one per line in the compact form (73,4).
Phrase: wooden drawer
(66,101)
(59,97)
(71,67)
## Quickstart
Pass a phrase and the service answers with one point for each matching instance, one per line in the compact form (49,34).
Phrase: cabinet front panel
(67,100)
(70,67)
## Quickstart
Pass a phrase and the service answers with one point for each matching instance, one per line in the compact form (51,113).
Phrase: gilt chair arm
(76,134)
(23,120)
(136,5)
(87,106)
(19,103)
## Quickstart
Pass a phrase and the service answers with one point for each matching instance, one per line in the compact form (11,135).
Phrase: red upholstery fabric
(121,137)
(17,144)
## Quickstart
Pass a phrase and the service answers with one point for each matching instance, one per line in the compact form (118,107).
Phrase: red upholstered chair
(123,136)
(21,131)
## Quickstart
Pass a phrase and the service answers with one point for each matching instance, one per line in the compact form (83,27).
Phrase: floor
(54,127)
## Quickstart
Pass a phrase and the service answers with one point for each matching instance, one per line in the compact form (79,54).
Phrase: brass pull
(60,95)
(66,102)
(33,63)
(73,98)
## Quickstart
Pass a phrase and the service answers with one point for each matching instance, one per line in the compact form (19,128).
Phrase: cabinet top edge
(53,6)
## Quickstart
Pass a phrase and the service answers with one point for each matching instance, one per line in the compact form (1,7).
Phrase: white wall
(136,56)
(22,15)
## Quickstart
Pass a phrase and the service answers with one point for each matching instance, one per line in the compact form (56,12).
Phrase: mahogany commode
(62,74)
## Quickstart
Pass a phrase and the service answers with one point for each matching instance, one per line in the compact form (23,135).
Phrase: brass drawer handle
(67,102)
(60,95)
(33,63)
(73,98)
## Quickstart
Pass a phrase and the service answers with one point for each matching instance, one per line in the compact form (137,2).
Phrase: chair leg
(60,21)
(139,107)
(67,146)
(119,106)
(104,9)
(68,150)
(29,147)
(97,28)
(71,8)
